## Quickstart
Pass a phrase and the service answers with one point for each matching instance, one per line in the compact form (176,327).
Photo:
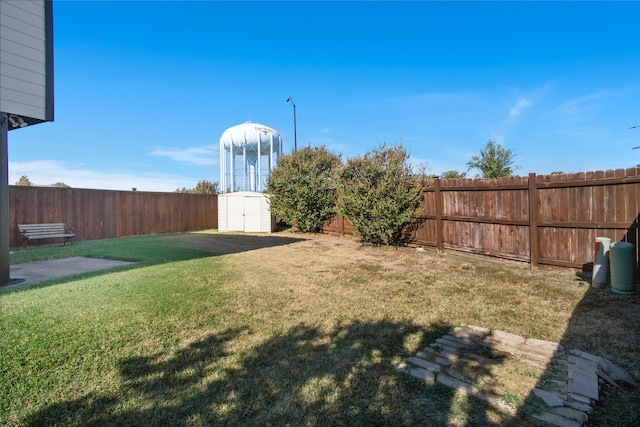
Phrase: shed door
(252,214)
(235,219)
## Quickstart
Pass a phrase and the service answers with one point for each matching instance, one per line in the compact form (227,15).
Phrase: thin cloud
(48,172)
(520,106)
(201,156)
(582,106)
(529,98)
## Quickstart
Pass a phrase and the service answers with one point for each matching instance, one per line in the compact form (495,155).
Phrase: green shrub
(379,196)
(302,190)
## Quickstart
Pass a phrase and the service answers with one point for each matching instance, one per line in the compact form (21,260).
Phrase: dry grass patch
(329,282)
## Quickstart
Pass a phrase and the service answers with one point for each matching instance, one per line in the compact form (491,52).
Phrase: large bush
(302,190)
(380,196)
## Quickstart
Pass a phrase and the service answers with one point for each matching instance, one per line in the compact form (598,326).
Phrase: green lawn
(213,329)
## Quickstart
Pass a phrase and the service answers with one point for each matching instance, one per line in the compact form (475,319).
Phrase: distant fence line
(540,219)
(102,214)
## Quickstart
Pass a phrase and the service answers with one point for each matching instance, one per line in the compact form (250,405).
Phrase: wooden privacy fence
(102,214)
(542,220)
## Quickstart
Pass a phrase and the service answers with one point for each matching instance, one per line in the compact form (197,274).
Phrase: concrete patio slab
(40,271)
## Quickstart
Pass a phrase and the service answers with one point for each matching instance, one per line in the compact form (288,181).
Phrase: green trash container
(623,268)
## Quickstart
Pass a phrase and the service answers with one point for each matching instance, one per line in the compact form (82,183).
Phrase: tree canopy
(494,161)
(24,180)
(453,174)
(203,187)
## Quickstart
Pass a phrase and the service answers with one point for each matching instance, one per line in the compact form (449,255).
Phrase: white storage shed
(245,211)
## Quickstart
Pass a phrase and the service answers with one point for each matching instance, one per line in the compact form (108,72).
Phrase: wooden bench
(44,231)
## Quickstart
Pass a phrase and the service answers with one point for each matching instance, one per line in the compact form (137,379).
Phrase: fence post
(533,221)
(439,208)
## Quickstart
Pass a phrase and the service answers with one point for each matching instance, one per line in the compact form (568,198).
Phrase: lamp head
(17,121)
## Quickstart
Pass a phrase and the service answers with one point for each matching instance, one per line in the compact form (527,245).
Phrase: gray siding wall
(23,58)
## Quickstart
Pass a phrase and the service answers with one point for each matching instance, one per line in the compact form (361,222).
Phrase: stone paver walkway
(568,386)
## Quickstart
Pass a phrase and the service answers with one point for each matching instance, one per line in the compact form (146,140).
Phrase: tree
(453,174)
(203,187)
(60,185)
(24,180)
(494,161)
(206,187)
(380,196)
(302,190)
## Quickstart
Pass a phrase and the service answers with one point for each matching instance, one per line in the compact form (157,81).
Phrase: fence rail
(539,219)
(102,214)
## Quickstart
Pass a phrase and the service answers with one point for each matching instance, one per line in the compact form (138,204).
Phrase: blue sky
(144,90)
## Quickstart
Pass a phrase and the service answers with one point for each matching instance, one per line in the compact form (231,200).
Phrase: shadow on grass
(606,324)
(304,377)
(231,243)
(143,251)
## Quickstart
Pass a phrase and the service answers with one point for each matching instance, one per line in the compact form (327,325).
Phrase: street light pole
(295,136)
